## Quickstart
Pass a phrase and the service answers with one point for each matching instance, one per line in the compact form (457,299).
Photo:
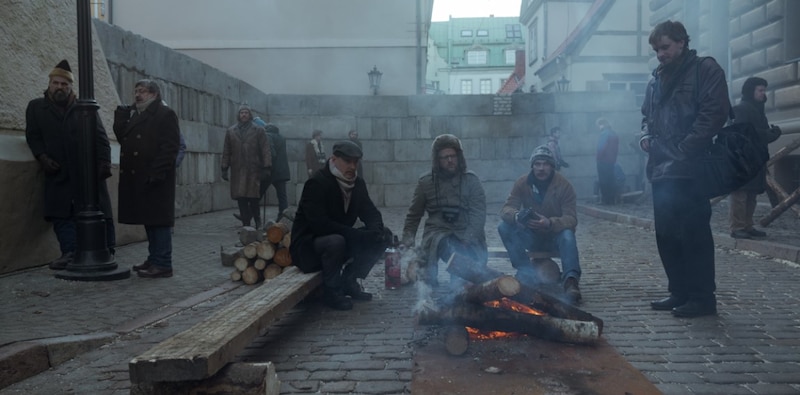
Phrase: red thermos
(392,268)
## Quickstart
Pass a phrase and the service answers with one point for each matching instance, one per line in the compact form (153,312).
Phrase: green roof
(491,33)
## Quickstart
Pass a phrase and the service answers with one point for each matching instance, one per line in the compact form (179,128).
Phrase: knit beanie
(63,70)
(542,152)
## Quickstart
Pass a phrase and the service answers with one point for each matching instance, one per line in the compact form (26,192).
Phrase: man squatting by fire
(455,202)
(323,236)
(540,215)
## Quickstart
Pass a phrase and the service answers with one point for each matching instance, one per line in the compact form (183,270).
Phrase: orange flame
(507,304)
(477,334)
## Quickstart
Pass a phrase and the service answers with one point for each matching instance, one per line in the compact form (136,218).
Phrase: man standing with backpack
(678,125)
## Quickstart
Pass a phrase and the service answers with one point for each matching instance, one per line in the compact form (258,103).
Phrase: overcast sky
(442,9)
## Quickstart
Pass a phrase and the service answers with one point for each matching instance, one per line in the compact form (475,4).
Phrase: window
(482,33)
(511,56)
(466,87)
(466,33)
(476,57)
(513,31)
(486,86)
(533,54)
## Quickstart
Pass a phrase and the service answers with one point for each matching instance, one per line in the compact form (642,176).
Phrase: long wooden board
(201,351)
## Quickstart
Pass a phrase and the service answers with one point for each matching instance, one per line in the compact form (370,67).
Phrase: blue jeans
(67,234)
(159,245)
(518,240)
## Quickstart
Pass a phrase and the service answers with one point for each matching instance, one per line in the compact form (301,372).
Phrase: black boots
(335,299)
(354,290)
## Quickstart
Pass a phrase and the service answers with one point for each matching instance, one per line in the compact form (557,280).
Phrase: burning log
(456,340)
(553,306)
(503,286)
(470,270)
(499,319)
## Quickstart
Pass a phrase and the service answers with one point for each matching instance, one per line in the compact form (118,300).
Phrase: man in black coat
(323,237)
(149,137)
(743,200)
(280,168)
(52,133)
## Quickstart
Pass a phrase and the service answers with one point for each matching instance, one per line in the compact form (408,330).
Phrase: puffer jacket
(680,122)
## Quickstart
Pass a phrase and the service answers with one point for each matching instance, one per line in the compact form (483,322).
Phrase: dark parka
(247,154)
(685,105)
(51,131)
(280,161)
(149,143)
(321,212)
(750,111)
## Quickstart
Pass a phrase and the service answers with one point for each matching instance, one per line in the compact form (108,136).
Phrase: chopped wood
(249,234)
(456,339)
(287,240)
(265,250)
(282,257)
(276,232)
(225,334)
(251,276)
(241,263)
(250,251)
(272,270)
(229,254)
(470,270)
(236,275)
(259,264)
(554,306)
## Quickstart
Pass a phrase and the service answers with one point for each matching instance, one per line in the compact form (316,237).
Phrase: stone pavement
(751,347)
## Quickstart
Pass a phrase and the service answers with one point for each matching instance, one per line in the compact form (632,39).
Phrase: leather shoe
(756,233)
(354,290)
(61,262)
(142,266)
(695,309)
(668,303)
(335,300)
(155,272)
(741,234)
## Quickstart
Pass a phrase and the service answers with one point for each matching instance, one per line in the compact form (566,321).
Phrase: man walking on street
(149,137)
(323,237)
(743,200)
(540,215)
(686,104)
(246,153)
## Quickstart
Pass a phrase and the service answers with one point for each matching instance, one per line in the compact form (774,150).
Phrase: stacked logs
(263,258)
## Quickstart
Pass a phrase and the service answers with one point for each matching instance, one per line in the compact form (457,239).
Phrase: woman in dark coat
(149,138)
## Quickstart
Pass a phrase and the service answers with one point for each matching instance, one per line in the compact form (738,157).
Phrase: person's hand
(104,170)
(539,222)
(224,174)
(644,143)
(49,165)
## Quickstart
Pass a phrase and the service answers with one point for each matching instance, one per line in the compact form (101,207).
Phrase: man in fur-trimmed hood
(455,202)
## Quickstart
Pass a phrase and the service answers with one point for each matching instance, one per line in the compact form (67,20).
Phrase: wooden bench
(201,351)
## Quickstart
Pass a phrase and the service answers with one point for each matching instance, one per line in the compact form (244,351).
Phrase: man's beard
(60,97)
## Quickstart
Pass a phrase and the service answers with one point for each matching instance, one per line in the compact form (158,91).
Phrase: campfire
(496,306)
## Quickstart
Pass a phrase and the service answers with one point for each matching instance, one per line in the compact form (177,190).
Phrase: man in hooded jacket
(52,133)
(743,201)
(455,202)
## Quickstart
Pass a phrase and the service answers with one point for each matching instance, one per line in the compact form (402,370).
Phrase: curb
(24,359)
(768,248)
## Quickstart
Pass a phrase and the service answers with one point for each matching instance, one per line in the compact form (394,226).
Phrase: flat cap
(348,149)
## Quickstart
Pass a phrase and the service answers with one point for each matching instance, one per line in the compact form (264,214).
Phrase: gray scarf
(346,185)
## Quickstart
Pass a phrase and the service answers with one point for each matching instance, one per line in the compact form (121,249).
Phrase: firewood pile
(264,255)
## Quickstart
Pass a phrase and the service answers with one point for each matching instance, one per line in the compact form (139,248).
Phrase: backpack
(735,156)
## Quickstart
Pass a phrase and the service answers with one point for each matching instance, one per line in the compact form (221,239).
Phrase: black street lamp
(563,84)
(93,261)
(374,79)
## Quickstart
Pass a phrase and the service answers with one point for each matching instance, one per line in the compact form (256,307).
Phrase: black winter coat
(320,212)
(749,112)
(149,144)
(280,161)
(684,108)
(48,130)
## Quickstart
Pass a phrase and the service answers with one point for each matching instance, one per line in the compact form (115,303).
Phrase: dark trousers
(67,234)
(607,183)
(280,192)
(159,245)
(334,254)
(248,210)
(683,234)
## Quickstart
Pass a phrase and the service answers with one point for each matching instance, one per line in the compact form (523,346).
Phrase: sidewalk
(89,331)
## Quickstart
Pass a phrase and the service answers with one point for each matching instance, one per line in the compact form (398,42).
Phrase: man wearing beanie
(455,202)
(149,137)
(52,132)
(743,200)
(323,236)
(540,215)
(247,154)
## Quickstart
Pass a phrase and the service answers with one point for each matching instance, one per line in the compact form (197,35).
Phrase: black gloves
(49,165)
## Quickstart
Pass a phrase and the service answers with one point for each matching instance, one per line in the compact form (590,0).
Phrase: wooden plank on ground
(207,347)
